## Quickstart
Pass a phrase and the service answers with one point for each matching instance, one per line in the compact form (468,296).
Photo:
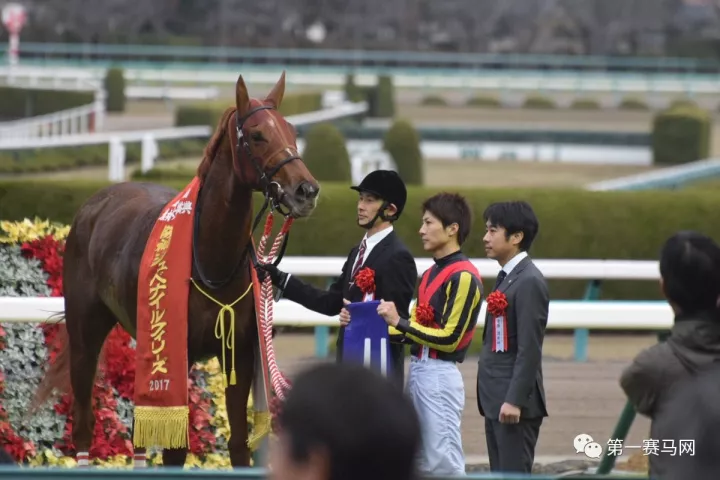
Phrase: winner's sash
(366,337)
(161,377)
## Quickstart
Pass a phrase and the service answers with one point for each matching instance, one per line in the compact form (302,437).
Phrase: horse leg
(88,323)
(236,401)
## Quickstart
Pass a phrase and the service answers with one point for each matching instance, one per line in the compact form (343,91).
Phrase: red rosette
(497,303)
(365,280)
(425,315)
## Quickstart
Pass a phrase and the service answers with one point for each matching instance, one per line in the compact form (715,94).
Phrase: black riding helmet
(387,185)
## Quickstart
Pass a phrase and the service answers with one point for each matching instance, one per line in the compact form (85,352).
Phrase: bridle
(271,201)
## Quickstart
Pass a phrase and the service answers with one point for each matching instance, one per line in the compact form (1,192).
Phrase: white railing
(494,80)
(73,121)
(609,315)
(663,178)
(171,93)
(578,315)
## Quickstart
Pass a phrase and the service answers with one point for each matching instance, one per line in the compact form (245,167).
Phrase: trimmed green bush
(434,101)
(646,219)
(16,102)
(630,103)
(384,104)
(67,158)
(484,101)
(537,102)
(115,90)
(683,102)
(326,154)
(402,142)
(585,104)
(353,93)
(680,135)
(209,113)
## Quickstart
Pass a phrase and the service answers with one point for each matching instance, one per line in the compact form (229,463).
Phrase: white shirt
(370,243)
(514,262)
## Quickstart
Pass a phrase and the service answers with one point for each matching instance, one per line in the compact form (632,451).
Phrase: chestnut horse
(253,149)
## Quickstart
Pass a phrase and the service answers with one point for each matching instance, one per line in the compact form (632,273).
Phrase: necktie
(361,254)
(501,276)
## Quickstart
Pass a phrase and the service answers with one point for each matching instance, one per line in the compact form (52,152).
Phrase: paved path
(582,398)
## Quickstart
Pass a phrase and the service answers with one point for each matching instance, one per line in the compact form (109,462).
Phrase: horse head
(266,154)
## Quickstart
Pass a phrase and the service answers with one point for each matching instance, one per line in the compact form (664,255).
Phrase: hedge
(16,102)
(209,113)
(326,153)
(114,84)
(573,223)
(65,158)
(681,134)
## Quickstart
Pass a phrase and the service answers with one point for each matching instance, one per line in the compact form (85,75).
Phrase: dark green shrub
(485,101)
(114,90)
(434,101)
(585,104)
(326,155)
(402,142)
(680,135)
(384,103)
(537,102)
(630,103)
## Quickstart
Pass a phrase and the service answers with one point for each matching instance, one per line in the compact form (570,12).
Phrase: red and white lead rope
(265,311)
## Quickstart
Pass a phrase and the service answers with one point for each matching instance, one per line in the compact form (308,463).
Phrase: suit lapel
(378,249)
(510,279)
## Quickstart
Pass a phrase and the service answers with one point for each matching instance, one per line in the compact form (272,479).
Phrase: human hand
(389,313)
(509,413)
(277,276)
(345,314)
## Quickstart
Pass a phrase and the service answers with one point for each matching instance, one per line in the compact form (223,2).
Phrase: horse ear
(276,94)
(242,99)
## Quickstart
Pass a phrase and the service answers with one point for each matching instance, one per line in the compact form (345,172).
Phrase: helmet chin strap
(381,215)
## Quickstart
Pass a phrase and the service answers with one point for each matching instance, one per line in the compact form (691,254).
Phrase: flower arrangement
(497,303)
(31,258)
(365,280)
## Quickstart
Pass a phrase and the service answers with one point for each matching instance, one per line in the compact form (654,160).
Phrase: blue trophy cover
(366,337)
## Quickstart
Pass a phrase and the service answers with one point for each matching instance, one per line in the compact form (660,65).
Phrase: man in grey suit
(510,389)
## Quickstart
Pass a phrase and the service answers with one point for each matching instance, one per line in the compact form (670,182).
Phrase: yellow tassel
(261,429)
(233,378)
(164,427)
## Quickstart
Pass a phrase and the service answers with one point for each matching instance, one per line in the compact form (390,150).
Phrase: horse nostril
(306,191)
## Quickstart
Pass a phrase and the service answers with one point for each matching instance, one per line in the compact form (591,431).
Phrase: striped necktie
(361,254)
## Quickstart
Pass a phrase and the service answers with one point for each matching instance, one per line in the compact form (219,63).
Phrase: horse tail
(57,377)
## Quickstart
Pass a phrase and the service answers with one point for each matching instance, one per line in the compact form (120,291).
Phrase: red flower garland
(115,369)
(497,303)
(425,315)
(365,280)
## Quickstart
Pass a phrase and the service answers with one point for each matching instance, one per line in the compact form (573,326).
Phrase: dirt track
(582,397)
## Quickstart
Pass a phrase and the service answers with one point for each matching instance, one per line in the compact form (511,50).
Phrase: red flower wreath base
(116,369)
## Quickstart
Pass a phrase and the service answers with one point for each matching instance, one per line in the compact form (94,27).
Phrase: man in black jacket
(382,197)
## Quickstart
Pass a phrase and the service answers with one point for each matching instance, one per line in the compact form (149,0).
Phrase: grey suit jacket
(515,376)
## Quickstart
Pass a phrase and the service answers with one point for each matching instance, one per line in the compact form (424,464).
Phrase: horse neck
(225,219)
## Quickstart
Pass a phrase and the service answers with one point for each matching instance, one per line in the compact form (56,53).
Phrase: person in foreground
(381,199)
(345,422)
(510,391)
(690,281)
(440,328)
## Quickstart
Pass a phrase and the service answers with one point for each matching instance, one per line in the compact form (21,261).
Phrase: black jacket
(395,279)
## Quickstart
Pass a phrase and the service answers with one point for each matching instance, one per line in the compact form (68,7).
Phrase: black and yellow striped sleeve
(463,295)
(396,336)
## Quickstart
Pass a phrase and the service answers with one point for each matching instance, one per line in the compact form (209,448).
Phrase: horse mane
(212,147)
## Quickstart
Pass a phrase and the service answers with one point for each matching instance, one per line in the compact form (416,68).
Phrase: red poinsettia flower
(365,280)
(425,315)
(497,303)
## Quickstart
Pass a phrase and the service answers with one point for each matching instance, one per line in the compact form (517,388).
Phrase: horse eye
(257,136)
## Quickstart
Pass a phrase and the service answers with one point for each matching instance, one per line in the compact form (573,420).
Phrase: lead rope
(279,382)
